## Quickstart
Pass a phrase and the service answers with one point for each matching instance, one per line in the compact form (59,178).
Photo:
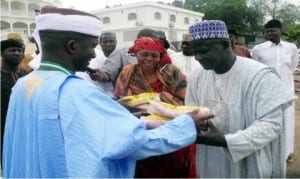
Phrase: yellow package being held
(156,117)
(172,111)
(135,100)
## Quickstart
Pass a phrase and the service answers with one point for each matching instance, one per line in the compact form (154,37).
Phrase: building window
(157,16)
(132,16)
(186,20)
(173,18)
(106,20)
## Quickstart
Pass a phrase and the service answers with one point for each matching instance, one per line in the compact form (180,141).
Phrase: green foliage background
(249,16)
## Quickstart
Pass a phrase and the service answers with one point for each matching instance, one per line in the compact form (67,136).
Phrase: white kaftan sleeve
(295,58)
(255,137)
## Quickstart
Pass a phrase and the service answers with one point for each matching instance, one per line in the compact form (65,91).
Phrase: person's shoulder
(288,44)
(128,67)
(177,54)
(121,51)
(261,45)
(79,90)
(248,69)
(117,52)
(242,47)
(121,54)
(249,63)
(75,83)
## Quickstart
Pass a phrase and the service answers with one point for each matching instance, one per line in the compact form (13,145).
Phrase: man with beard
(246,137)
(185,60)
(108,43)
(282,56)
(59,125)
(11,54)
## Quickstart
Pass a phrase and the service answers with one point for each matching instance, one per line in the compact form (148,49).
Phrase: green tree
(236,13)
(292,34)
(249,16)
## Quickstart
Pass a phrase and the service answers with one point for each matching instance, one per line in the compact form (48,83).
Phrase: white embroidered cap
(67,20)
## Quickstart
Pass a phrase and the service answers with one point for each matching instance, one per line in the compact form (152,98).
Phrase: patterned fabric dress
(170,81)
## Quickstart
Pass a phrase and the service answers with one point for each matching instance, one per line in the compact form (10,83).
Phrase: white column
(9,6)
(28,29)
(11,27)
(26,6)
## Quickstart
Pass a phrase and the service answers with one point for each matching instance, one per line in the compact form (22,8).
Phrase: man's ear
(72,46)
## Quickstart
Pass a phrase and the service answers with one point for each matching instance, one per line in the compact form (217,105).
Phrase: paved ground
(293,170)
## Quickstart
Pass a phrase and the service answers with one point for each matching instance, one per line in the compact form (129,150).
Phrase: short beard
(187,52)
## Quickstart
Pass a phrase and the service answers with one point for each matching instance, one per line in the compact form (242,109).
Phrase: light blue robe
(248,102)
(63,126)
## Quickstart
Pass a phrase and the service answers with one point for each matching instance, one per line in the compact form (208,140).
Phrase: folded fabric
(172,111)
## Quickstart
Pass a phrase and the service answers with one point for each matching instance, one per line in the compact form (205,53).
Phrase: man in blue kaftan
(59,125)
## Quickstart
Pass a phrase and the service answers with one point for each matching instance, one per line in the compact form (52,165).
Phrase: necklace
(54,66)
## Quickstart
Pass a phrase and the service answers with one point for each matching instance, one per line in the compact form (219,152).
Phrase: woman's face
(148,59)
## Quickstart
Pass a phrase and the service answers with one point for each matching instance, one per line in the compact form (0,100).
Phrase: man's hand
(213,136)
(98,75)
(200,119)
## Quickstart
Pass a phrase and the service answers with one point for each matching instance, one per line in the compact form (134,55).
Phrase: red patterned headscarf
(148,43)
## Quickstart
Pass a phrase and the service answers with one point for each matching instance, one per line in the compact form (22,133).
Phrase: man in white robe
(246,137)
(185,60)
(282,56)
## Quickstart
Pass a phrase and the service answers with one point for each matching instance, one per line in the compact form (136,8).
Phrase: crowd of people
(62,117)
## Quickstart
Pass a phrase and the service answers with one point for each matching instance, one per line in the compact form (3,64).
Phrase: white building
(126,20)
(18,16)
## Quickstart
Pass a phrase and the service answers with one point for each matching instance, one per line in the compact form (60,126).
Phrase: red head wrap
(148,43)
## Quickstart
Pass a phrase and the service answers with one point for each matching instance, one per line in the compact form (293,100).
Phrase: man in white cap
(185,60)
(246,137)
(59,125)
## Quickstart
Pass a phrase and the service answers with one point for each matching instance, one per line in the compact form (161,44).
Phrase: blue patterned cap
(208,29)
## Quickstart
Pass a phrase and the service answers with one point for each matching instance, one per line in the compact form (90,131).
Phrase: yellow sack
(156,117)
(135,100)
(172,111)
